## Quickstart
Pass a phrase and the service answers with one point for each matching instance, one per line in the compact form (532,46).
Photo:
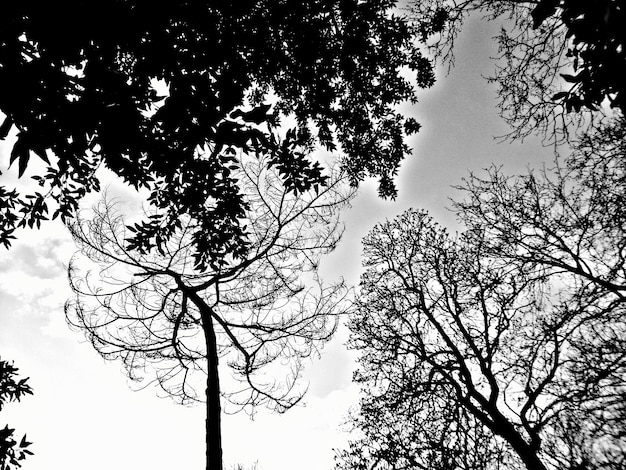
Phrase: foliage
(597,49)
(161,96)
(558,59)
(261,315)
(501,347)
(12,389)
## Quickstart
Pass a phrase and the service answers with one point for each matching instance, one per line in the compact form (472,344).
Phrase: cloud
(333,371)
(34,287)
(47,258)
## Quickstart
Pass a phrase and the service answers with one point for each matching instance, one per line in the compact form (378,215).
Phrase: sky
(84,414)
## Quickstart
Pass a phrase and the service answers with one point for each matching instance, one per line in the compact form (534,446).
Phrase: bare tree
(506,341)
(258,314)
(569,219)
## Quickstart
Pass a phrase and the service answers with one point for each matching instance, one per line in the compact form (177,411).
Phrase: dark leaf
(569,78)
(543,11)
(23,162)
(5,127)
(560,95)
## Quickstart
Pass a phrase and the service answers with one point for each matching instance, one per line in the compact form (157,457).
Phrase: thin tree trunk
(213,408)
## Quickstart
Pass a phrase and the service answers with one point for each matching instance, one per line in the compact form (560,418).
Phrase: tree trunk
(213,408)
(525,451)
(527,455)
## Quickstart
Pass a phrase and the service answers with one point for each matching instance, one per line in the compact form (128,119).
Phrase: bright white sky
(84,415)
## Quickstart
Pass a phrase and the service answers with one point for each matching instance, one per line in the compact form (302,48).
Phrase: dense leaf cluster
(161,96)
(12,389)
(597,50)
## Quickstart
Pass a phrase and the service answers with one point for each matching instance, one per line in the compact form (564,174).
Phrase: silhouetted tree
(501,347)
(257,313)
(12,389)
(142,90)
(572,220)
(556,57)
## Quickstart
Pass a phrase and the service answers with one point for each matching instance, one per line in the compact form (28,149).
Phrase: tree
(501,347)
(558,59)
(572,221)
(12,389)
(144,97)
(255,313)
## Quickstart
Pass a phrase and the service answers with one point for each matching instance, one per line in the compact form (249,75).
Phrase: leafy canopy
(162,96)
(596,49)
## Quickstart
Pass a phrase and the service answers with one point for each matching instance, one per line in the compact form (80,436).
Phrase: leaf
(41,153)
(23,163)
(18,149)
(560,95)
(5,128)
(569,78)
(543,11)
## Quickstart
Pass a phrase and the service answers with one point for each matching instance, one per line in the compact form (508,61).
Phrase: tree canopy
(260,315)
(501,347)
(160,96)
